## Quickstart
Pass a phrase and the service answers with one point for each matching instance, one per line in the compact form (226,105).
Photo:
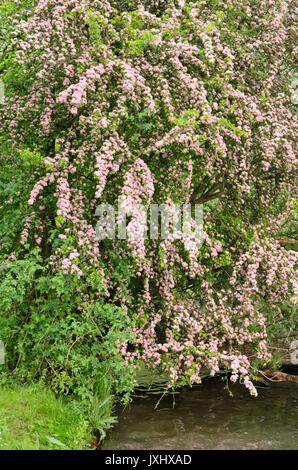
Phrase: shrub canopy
(162,102)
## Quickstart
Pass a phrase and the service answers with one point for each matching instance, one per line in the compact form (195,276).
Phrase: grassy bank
(32,417)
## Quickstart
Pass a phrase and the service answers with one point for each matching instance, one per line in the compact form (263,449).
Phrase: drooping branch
(278,376)
(214,192)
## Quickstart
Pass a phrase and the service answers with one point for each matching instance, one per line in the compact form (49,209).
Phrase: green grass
(31,417)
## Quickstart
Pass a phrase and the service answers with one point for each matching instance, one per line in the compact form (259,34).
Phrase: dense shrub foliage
(162,102)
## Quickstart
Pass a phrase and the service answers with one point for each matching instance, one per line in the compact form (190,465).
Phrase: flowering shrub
(162,102)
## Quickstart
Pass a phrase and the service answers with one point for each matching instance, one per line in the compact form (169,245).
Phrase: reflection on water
(206,417)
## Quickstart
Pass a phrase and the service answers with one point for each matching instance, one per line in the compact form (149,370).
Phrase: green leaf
(55,441)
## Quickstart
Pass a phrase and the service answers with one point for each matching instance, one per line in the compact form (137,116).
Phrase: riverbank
(33,418)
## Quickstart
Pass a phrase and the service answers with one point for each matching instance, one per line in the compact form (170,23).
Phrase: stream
(207,417)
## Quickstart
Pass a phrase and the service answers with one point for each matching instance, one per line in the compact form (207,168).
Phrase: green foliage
(137,46)
(229,125)
(47,337)
(50,331)
(73,353)
(31,159)
(100,416)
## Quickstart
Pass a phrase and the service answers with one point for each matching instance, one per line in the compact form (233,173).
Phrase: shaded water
(206,417)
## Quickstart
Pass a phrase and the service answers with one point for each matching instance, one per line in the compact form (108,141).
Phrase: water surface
(206,417)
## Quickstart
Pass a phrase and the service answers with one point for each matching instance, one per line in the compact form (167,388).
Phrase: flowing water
(206,417)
